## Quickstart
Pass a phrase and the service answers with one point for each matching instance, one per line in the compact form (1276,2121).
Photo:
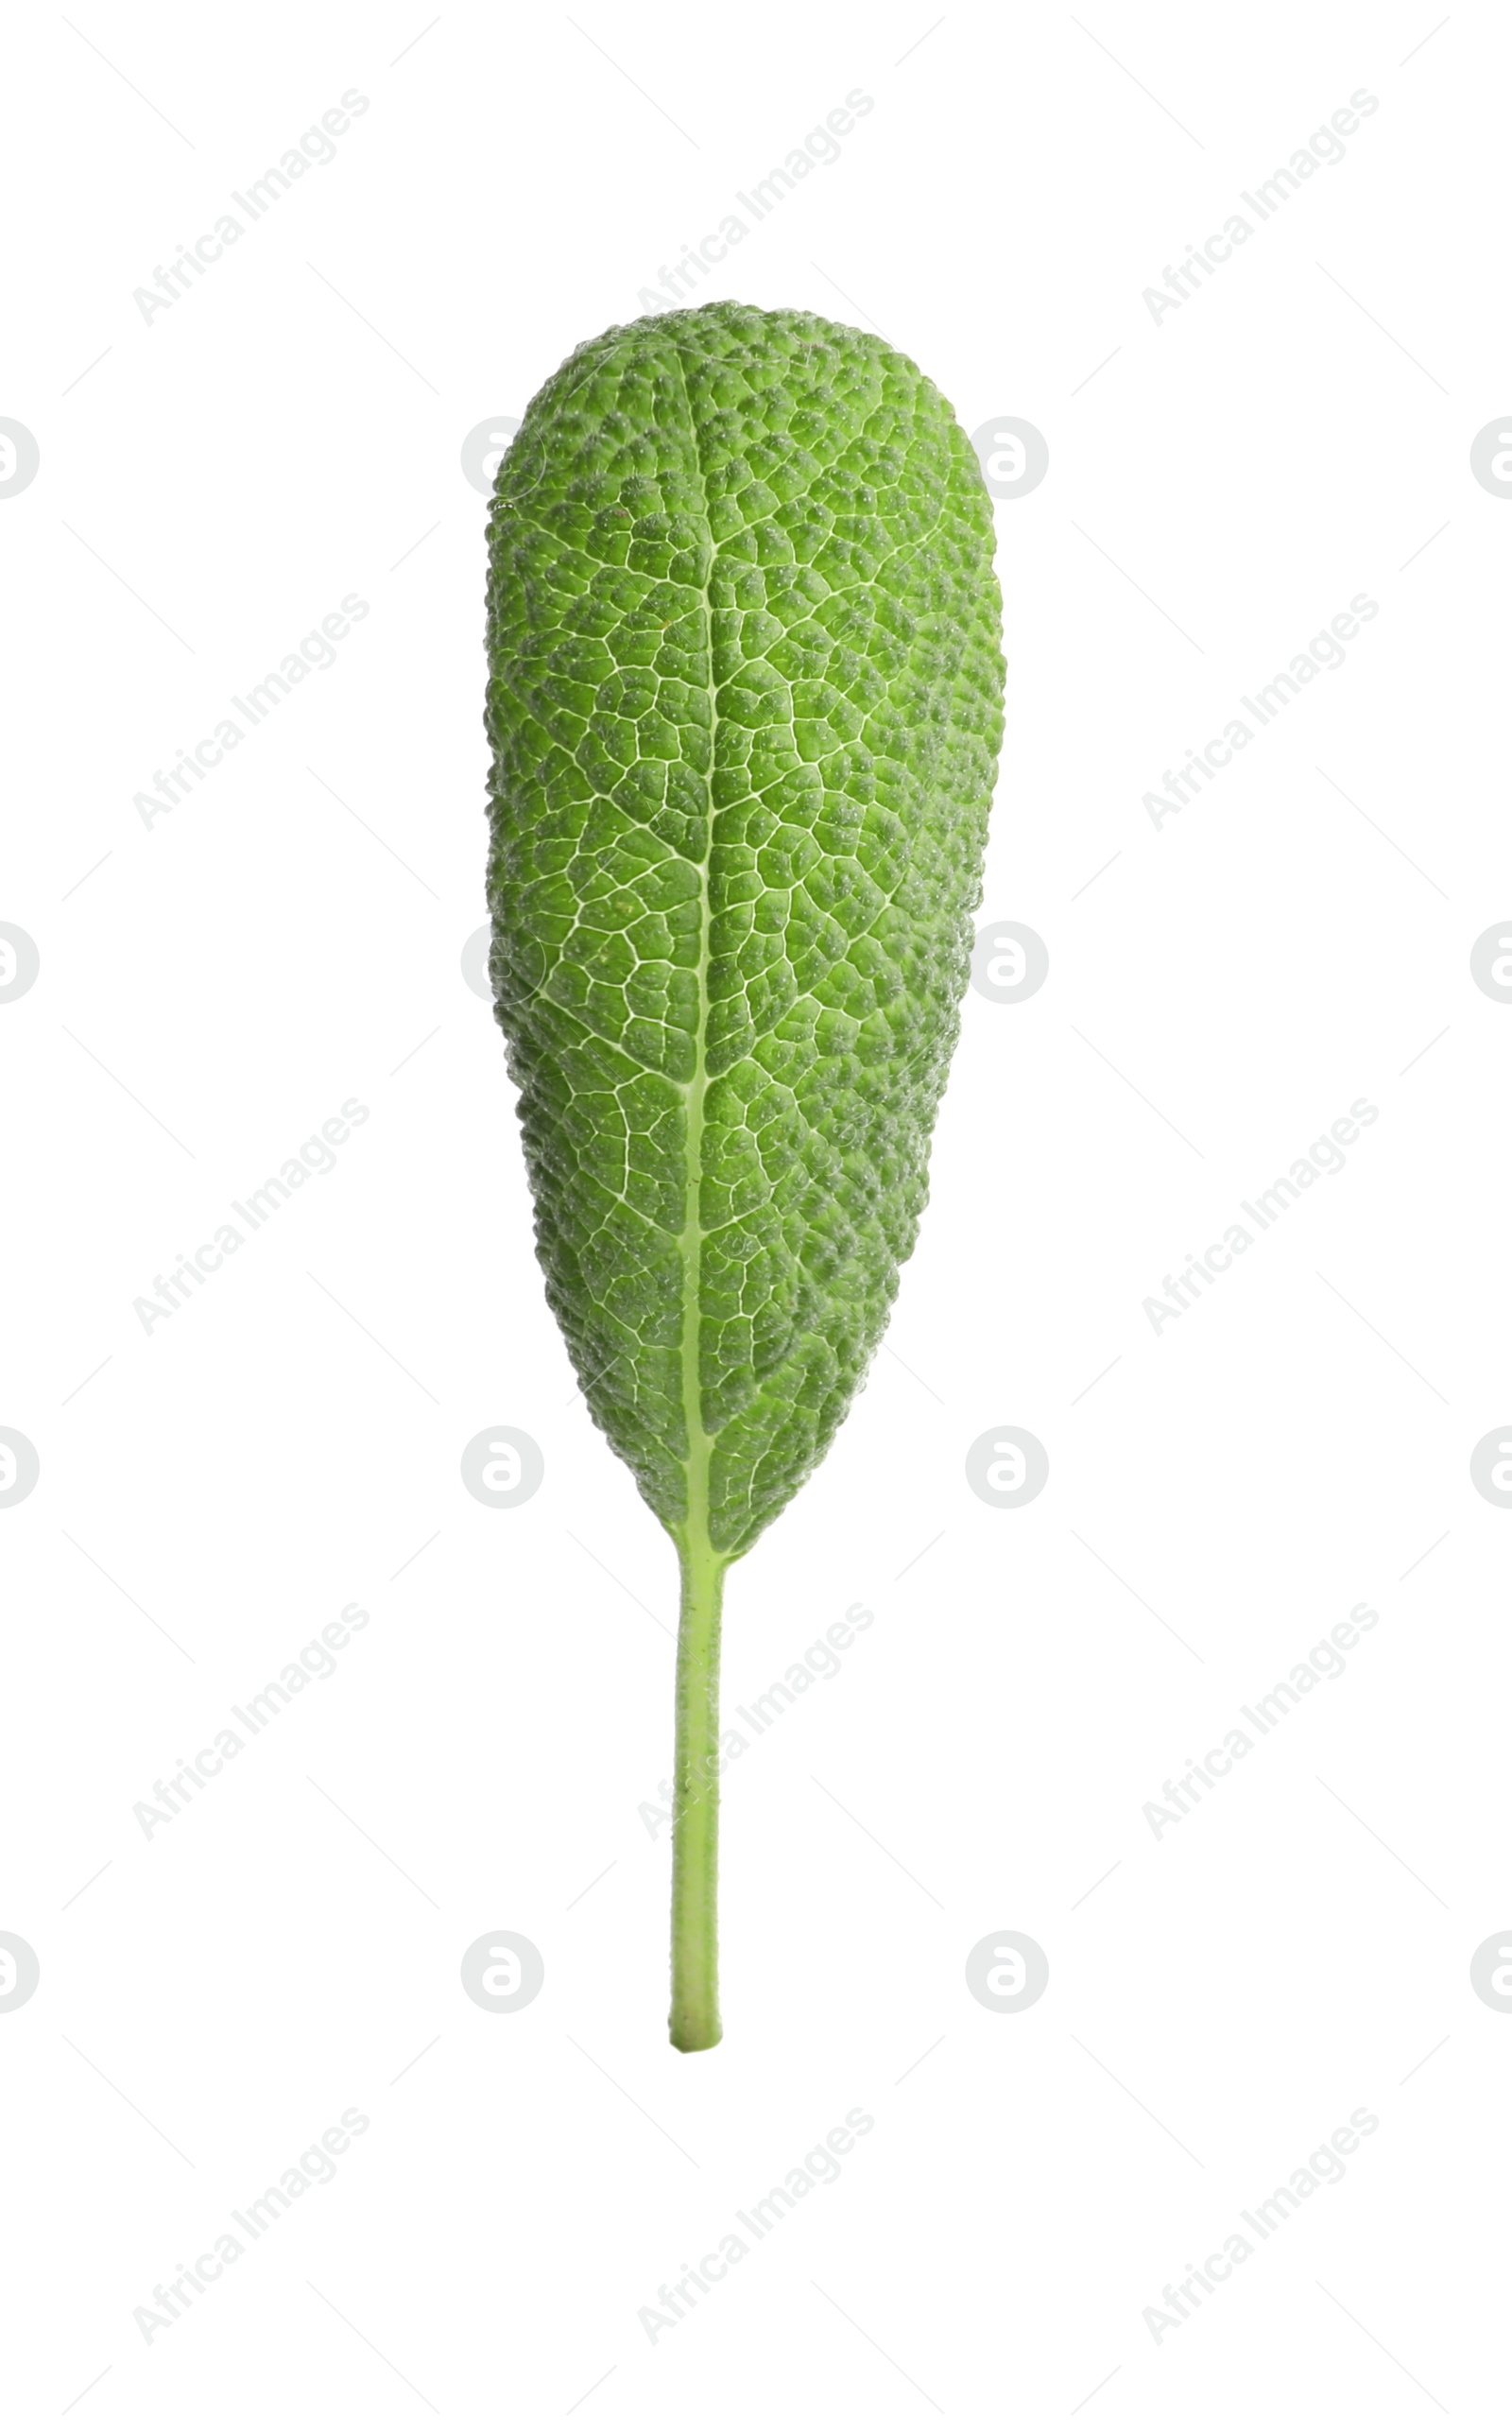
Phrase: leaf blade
(744,700)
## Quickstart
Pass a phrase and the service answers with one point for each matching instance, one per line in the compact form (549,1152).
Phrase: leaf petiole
(695,2019)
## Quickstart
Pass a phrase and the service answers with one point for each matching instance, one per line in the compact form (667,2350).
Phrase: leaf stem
(695,2020)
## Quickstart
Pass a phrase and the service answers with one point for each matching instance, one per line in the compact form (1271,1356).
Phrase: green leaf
(745,702)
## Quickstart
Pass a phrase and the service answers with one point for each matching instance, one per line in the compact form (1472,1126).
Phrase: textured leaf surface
(745,702)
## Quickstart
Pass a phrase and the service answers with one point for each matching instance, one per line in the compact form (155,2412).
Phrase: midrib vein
(690,1241)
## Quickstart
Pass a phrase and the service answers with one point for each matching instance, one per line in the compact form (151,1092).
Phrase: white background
(1221,484)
